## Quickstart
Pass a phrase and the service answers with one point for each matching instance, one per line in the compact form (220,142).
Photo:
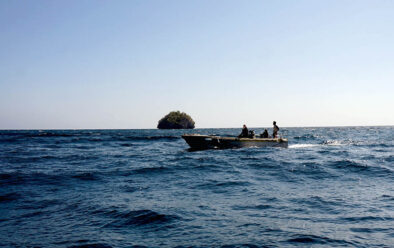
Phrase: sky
(125,64)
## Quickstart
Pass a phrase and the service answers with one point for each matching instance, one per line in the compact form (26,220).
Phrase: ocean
(332,187)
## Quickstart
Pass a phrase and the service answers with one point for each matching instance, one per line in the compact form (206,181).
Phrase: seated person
(245,132)
(264,134)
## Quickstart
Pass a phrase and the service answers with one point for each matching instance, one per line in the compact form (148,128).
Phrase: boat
(201,142)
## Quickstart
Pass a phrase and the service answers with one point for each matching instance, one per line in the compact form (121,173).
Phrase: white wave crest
(334,143)
(303,145)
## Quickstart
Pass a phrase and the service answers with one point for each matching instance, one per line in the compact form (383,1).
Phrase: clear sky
(125,64)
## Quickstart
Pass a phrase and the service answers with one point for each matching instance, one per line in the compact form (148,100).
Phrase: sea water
(333,187)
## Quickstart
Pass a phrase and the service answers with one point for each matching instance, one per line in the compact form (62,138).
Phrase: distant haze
(126,64)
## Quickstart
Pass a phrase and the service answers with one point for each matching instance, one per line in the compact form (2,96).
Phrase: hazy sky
(125,64)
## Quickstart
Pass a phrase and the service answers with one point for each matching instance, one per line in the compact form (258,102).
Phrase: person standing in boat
(276,129)
(245,132)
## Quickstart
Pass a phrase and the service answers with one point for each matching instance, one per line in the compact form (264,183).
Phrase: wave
(389,158)
(232,183)
(94,245)
(388,198)
(37,134)
(13,178)
(39,178)
(30,137)
(75,157)
(41,204)
(377,170)
(320,204)
(8,197)
(149,170)
(375,144)
(347,163)
(246,245)
(253,207)
(336,142)
(314,239)
(72,137)
(306,137)
(371,230)
(324,143)
(216,184)
(86,176)
(148,138)
(358,219)
(358,167)
(297,146)
(138,218)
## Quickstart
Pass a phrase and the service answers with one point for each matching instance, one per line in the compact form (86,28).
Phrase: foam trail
(333,143)
(303,145)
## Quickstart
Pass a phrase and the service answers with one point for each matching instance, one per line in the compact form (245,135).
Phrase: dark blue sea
(333,187)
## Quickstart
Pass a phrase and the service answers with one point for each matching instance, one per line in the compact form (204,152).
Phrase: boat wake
(297,146)
(336,143)
(325,143)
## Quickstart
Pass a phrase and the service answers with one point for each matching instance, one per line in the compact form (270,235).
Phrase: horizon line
(39,129)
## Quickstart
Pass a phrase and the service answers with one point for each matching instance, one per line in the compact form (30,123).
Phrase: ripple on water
(92,245)
(308,239)
(9,197)
(145,217)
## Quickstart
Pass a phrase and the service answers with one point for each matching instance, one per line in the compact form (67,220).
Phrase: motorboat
(199,142)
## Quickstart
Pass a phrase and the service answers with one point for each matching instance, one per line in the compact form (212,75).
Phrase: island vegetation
(176,120)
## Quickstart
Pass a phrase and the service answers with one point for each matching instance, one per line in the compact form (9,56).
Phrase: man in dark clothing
(245,132)
(264,134)
(276,129)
